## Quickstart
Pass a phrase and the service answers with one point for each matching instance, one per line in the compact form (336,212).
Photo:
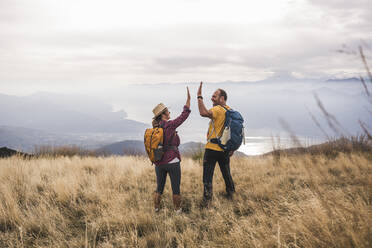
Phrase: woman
(170,162)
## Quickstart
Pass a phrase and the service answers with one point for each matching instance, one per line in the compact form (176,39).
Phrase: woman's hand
(188,97)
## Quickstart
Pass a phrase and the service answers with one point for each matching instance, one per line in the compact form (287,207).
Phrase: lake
(259,145)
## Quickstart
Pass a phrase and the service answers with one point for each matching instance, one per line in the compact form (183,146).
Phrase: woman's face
(165,115)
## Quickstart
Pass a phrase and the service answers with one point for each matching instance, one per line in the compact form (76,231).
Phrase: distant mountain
(191,148)
(127,147)
(28,139)
(59,120)
(65,113)
(24,139)
(338,80)
(329,148)
(262,104)
(136,147)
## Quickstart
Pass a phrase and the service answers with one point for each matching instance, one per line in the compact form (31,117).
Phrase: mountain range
(58,119)
(65,114)
(136,147)
(91,122)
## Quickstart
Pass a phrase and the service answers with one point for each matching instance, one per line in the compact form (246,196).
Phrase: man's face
(216,98)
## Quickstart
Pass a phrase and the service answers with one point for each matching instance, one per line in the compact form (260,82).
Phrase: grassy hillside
(297,201)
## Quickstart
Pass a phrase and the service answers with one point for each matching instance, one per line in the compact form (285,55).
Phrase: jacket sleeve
(173,124)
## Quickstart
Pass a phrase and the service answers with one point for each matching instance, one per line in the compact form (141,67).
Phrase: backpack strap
(226,110)
(215,140)
(152,134)
(171,139)
(162,126)
(210,135)
(168,146)
(224,107)
(213,129)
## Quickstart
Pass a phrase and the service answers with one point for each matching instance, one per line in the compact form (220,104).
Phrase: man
(214,153)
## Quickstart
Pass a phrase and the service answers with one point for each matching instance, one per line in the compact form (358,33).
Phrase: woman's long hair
(156,121)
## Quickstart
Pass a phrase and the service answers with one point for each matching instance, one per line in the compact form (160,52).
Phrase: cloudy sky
(92,45)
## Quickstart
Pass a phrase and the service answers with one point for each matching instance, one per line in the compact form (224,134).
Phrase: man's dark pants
(210,159)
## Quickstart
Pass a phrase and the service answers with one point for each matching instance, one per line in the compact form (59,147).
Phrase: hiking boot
(208,192)
(157,198)
(177,203)
(230,195)
(205,203)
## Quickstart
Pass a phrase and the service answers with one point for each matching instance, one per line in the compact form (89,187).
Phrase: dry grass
(298,201)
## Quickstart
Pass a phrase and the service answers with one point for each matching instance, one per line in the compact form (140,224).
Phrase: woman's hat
(158,110)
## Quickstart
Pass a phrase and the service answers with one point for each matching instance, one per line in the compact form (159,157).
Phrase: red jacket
(170,130)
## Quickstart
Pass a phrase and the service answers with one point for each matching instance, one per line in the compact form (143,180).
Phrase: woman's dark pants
(174,171)
(210,159)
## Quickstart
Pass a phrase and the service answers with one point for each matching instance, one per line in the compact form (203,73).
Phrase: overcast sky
(81,45)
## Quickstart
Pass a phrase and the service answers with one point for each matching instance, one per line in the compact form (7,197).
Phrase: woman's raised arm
(183,116)
(188,98)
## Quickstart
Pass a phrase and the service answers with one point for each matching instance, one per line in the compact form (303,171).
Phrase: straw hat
(158,110)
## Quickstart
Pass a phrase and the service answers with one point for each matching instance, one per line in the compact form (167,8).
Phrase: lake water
(259,145)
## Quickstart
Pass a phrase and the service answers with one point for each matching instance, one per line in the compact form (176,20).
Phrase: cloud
(116,42)
(185,62)
(353,15)
(343,4)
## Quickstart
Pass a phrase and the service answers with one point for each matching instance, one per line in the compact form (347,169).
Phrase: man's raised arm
(202,109)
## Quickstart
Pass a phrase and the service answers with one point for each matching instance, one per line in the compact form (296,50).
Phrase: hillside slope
(297,201)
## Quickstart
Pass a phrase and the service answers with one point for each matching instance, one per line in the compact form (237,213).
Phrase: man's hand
(202,109)
(200,89)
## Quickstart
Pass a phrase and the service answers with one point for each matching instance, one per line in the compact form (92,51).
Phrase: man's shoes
(206,203)
(230,195)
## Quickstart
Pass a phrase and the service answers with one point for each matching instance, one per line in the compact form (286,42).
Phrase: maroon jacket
(170,130)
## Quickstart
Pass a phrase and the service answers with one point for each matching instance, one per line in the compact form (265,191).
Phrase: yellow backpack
(154,143)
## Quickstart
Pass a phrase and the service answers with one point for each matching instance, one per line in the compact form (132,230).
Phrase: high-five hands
(200,89)
(188,97)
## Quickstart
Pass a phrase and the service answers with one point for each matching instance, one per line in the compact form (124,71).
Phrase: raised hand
(202,109)
(200,89)
(188,97)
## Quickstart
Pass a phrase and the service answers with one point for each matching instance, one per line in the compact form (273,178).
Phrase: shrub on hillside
(68,151)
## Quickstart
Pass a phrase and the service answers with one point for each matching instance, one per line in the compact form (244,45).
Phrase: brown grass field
(293,201)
